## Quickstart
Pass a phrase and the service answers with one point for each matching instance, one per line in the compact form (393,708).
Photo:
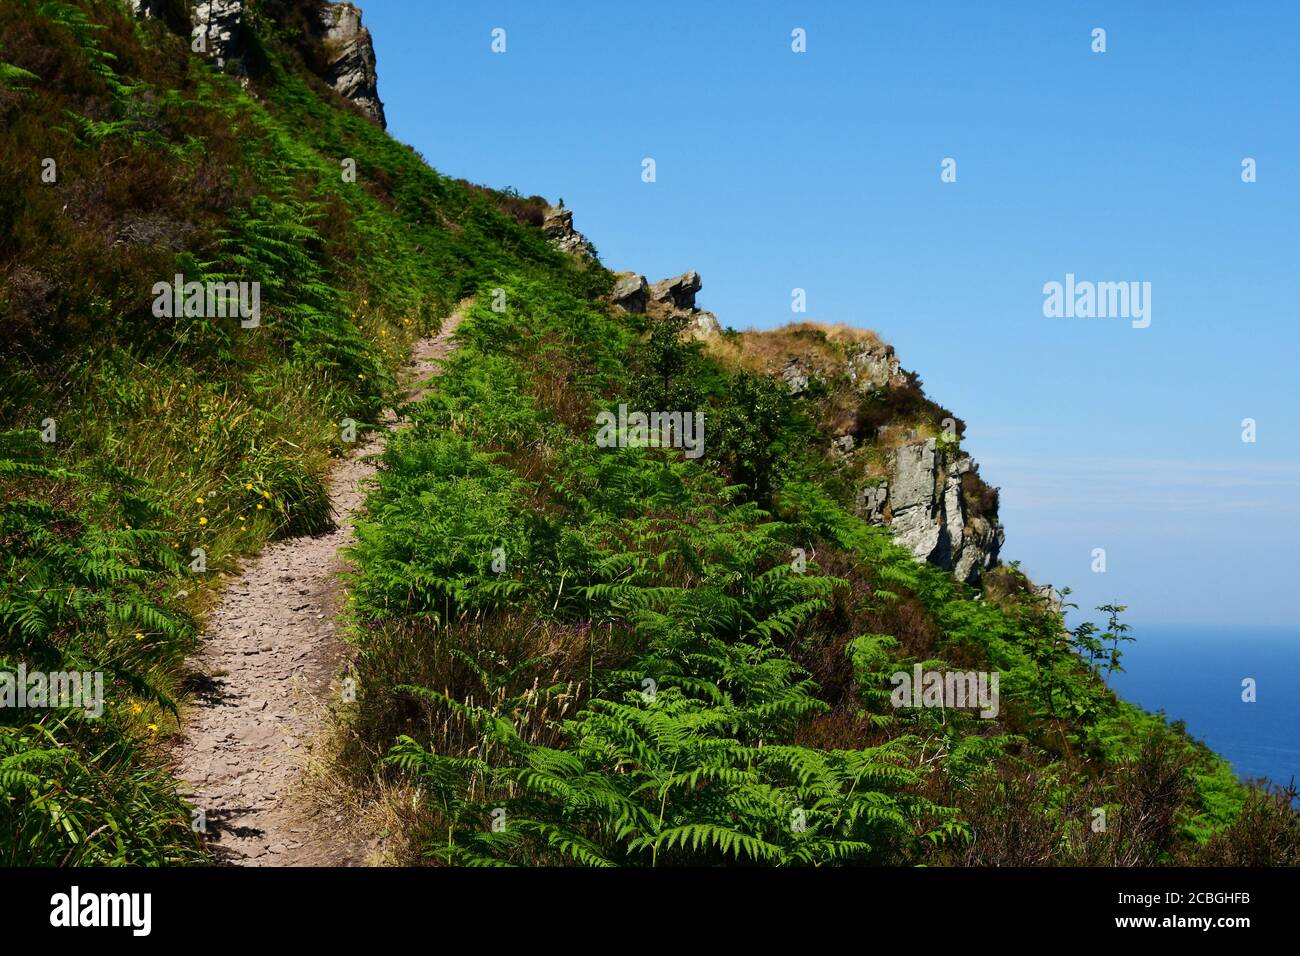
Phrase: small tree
(1116,633)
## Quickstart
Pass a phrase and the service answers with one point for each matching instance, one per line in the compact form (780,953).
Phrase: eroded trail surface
(272,652)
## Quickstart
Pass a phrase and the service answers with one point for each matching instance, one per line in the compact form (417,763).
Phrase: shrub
(980,498)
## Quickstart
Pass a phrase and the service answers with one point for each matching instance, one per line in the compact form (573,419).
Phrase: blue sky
(821,171)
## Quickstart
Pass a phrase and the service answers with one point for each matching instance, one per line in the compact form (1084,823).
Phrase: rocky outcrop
(874,416)
(216,29)
(872,366)
(702,324)
(867,364)
(345,59)
(676,296)
(678,292)
(631,292)
(350,60)
(922,504)
(796,378)
(1053,599)
(558,227)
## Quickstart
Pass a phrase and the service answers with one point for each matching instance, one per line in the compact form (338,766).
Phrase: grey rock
(922,505)
(872,500)
(350,58)
(703,325)
(948,553)
(915,529)
(795,376)
(218,25)
(677,295)
(913,482)
(1052,597)
(873,367)
(678,291)
(216,30)
(982,544)
(631,292)
(558,227)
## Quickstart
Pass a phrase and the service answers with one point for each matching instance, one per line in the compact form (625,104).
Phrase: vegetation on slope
(613,656)
(176,434)
(513,698)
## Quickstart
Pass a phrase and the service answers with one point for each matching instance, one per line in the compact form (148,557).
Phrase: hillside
(571,641)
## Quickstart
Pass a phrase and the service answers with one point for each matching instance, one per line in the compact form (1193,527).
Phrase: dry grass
(385,813)
(823,353)
(819,347)
(377,803)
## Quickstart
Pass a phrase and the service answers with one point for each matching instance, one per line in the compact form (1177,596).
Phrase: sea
(1196,674)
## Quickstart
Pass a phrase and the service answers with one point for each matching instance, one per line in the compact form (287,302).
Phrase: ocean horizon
(1195,673)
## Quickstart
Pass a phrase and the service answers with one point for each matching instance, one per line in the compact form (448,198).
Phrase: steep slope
(612,652)
(570,643)
(147,449)
(897,452)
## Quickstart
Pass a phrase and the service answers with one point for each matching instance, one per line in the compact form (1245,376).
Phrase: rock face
(678,292)
(216,29)
(631,292)
(874,366)
(702,324)
(350,56)
(930,498)
(796,378)
(558,227)
(843,446)
(872,415)
(922,504)
(674,297)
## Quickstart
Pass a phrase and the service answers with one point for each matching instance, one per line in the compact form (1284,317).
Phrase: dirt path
(272,651)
